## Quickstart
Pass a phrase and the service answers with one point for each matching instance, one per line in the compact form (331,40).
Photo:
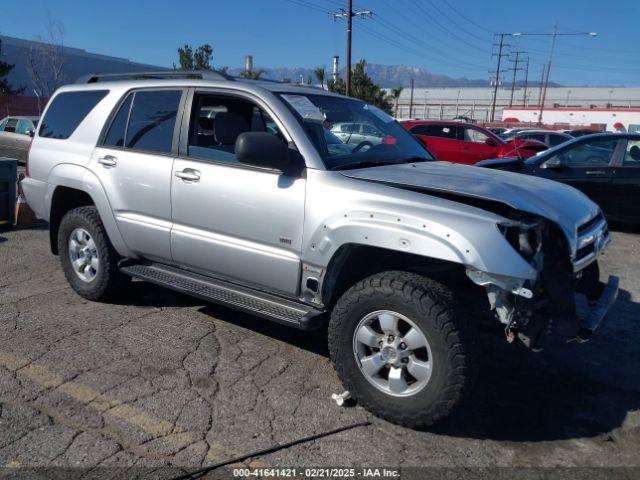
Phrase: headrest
(635,152)
(227,126)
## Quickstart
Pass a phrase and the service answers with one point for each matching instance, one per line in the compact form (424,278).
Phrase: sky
(451,37)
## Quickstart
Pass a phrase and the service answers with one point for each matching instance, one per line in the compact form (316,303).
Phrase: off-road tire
(429,305)
(108,280)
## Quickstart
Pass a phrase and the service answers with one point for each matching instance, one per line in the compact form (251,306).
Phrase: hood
(564,205)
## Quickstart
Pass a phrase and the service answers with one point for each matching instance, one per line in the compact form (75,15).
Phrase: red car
(467,143)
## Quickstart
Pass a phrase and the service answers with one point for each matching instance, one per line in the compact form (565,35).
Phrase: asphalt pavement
(155,383)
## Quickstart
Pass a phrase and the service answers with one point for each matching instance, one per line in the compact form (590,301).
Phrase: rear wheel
(88,259)
(400,349)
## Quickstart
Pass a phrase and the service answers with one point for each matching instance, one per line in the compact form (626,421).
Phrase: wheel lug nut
(405,360)
(390,338)
(402,346)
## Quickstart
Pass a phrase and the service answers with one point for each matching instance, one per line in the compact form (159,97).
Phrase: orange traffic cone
(24,215)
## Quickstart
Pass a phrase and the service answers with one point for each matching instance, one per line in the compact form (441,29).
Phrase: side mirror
(261,149)
(555,163)
(491,142)
(31,132)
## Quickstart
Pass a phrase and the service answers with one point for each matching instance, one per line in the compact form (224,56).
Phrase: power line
(433,19)
(465,17)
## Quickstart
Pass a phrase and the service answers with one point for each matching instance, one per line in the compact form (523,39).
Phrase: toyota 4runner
(238,192)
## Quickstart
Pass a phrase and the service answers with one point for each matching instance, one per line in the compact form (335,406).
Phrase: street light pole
(553,35)
(349,22)
(546,80)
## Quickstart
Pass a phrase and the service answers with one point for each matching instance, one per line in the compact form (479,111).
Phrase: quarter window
(2,124)
(117,131)
(67,111)
(152,120)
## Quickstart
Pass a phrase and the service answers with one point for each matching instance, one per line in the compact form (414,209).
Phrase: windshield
(350,133)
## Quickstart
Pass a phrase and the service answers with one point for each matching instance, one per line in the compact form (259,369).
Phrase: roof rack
(165,74)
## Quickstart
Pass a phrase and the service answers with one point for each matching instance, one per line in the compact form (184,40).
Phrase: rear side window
(11,126)
(66,112)
(152,120)
(117,130)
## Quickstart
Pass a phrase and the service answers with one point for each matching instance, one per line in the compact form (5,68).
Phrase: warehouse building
(475,103)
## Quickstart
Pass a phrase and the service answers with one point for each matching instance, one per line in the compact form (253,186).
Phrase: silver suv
(236,192)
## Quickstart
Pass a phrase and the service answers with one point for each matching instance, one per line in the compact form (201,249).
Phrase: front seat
(226,128)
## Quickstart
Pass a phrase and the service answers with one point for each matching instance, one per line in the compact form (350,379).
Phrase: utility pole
(515,71)
(501,45)
(349,14)
(544,68)
(526,83)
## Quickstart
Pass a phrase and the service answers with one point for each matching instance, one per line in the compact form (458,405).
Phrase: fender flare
(80,178)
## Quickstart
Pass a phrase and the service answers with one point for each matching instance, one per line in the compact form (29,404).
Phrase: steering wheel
(361,145)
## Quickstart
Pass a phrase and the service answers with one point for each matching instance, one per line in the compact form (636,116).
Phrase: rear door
(443,141)
(134,161)
(625,206)
(588,166)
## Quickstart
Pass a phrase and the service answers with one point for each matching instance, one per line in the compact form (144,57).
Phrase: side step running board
(292,313)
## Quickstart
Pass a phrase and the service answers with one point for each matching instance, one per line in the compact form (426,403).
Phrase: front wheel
(400,350)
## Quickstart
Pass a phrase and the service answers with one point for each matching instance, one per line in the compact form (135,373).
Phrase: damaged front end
(566,297)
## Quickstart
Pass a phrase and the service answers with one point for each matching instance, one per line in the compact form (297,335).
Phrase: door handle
(188,175)
(596,172)
(108,161)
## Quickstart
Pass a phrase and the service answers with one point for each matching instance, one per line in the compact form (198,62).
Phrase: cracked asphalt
(156,383)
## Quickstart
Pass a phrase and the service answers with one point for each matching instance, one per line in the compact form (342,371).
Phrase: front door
(134,162)
(625,205)
(478,146)
(230,220)
(588,167)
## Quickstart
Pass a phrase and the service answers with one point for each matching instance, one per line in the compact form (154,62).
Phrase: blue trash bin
(8,182)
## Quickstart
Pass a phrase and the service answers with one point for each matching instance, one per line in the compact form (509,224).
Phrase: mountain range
(387,76)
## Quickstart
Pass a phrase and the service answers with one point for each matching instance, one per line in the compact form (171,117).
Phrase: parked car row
(604,166)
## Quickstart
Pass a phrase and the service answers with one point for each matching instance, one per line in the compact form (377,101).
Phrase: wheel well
(354,262)
(64,199)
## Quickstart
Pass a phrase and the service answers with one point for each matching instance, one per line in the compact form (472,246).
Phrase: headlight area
(528,308)
(526,238)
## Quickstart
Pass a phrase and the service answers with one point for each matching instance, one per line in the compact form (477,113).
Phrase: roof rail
(165,74)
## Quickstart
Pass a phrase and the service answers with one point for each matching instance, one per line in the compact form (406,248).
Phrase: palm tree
(395,94)
(320,73)
(252,74)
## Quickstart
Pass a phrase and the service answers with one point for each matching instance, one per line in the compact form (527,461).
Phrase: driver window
(596,153)
(217,121)
(632,154)
(475,136)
